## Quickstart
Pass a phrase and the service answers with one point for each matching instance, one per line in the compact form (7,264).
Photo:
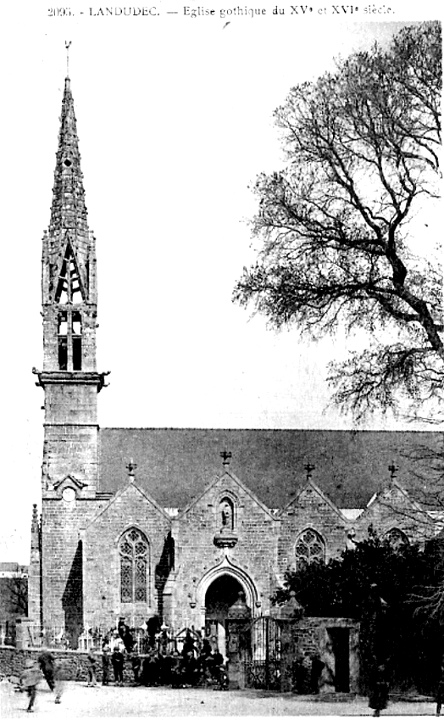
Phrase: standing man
(135,664)
(46,662)
(117,660)
(92,680)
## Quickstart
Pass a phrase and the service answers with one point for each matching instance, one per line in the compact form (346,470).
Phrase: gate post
(238,641)
(288,616)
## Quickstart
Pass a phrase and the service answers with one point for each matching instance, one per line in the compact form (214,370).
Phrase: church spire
(69,287)
(69,314)
(68,210)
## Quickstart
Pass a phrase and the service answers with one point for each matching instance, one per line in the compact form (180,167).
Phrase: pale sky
(174,117)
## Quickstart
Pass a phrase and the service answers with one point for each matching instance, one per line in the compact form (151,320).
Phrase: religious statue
(227,515)
(350,542)
(226,535)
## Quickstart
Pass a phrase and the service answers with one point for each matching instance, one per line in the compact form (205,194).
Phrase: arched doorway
(219,597)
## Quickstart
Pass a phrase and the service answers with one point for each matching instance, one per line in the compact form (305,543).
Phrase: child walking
(29,679)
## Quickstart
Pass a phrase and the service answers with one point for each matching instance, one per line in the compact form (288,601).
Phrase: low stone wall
(315,634)
(12,662)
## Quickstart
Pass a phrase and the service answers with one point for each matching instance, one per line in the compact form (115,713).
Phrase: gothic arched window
(396,538)
(134,568)
(310,547)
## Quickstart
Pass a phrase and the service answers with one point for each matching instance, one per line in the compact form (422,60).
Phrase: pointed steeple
(68,210)
(69,376)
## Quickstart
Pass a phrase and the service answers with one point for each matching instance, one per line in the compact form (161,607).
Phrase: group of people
(188,668)
(160,666)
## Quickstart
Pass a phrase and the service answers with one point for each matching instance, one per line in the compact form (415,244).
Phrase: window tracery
(134,557)
(310,547)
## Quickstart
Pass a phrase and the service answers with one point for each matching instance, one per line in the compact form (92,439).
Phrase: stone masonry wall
(392,508)
(75,664)
(70,450)
(61,523)
(74,403)
(131,507)
(250,560)
(310,510)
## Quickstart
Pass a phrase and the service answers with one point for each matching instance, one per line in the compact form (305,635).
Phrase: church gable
(131,502)
(393,509)
(124,547)
(312,528)
(227,504)
(225,521)
(226,514)
(311,501)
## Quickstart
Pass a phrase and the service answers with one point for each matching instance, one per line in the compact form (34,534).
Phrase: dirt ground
(80,701)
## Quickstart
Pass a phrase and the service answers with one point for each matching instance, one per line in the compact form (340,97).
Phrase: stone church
(175,523)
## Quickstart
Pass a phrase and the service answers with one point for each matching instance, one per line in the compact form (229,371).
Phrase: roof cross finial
(67,46)
(131,467)
(393,470)
(226,456)
(309,469)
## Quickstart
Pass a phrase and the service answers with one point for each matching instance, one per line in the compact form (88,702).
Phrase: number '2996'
(59,12)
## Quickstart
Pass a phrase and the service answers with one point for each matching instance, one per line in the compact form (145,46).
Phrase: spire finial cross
(393,470)
(67,46)
(308,468)
(226,456)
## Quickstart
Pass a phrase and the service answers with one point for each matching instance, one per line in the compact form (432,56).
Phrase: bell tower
(69,310)
(70,382)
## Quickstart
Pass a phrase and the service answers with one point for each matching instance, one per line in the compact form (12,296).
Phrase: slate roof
(175,465)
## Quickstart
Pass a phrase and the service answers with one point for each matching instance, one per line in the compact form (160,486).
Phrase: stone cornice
(66,377)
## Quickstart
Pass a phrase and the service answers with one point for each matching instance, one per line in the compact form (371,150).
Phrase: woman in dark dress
(378,698)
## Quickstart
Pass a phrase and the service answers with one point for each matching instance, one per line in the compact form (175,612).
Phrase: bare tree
(15,591)
(340,226)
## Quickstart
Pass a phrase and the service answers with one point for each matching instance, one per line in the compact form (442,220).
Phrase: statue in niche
(225,537)
(226,511)
(350,543)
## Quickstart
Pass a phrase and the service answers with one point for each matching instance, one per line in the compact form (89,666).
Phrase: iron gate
(263,664)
